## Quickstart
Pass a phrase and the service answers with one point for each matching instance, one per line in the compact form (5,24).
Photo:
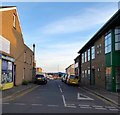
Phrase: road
(58,97)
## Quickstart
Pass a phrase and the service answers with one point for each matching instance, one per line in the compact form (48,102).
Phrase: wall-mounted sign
(76,65)
(8,58)
(4,45)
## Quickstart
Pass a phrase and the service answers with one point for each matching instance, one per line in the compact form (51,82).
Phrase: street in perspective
(60,57)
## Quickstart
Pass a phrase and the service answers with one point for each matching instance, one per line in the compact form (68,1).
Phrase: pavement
(112,97)
(15,91)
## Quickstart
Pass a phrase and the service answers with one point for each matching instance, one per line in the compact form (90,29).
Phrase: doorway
(92,81)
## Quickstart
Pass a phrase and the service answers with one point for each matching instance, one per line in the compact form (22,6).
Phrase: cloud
(62,56)
(81,22)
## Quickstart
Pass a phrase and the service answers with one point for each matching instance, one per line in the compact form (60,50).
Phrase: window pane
(109,41)
(117,38)
(109,35)
(117,30)
(106,42)
(117,46)
(105,50)
(109,49)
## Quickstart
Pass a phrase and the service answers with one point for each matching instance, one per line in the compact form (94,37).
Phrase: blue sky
(59,30)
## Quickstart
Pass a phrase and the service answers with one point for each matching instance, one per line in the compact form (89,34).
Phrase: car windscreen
(72,76)
(39,76)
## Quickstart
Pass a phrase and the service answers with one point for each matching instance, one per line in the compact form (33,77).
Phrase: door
(14,75)
(92,81)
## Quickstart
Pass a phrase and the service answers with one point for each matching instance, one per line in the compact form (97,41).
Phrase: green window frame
(117,38)
(108,43)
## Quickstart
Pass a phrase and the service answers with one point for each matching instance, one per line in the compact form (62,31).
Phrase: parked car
(64,77)
(39,78)
(73,79)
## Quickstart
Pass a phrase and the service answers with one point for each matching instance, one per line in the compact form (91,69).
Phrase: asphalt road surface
(58,97)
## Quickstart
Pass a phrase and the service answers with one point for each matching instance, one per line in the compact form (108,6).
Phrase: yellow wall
(7,86)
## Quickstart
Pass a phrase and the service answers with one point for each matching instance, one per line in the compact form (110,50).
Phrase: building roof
(113,21)
(77,58)
(69,66)
(7,6)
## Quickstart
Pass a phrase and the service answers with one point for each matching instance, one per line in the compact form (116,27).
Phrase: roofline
(77,57)
(28,47)
(69,66)
(102,29)
(6,8)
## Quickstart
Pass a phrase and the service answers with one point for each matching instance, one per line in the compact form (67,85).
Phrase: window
(82,74)
(83,58)
(117,69)
(14,20)
(108,43)
(117,38)
(88,74)
(25,57)
(7,75)
(93,52)
(85,73)
(88,54)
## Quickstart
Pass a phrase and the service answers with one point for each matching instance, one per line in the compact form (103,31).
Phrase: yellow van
(73,79)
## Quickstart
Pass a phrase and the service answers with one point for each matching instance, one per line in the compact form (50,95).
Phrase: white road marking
(97,106)
(53,105)
(59,86)
(84,105)
(6,103)
(110,107)
(36,104)
(83,97)
(101,108)
(114,109)
(70,106)
(19,103)
(64,100)
(67,105)
(61,90)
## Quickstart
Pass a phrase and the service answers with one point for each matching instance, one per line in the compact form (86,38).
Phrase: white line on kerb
(64,100)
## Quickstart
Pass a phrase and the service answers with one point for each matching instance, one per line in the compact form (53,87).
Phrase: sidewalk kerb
(17,93)
(102,96)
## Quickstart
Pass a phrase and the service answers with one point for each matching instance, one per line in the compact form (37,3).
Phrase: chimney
(34,50)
